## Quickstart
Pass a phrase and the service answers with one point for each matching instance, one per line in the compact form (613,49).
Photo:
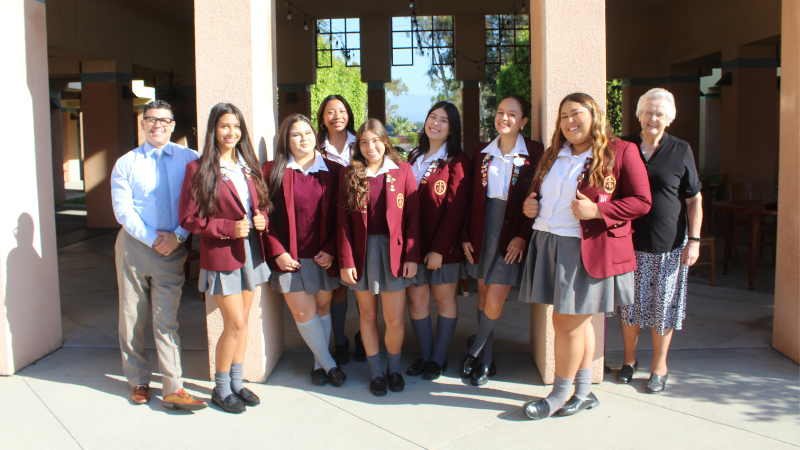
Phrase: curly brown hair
(601,135)
(356,185)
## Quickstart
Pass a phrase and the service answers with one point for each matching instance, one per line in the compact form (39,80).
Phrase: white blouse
(559,189)
(342,157)
(502,167)
(239,181)
(420,167)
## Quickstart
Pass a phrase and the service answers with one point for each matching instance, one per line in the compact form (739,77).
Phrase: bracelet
(694,239)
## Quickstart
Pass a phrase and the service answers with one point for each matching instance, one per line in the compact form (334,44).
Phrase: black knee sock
(424,332)
(484,330)
(338,320)
(486,352)
(445,328)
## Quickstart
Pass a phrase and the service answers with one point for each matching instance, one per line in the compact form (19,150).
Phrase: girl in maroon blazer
(336,138)
(224,201)
(442,173)
(378,238)
(495,233)
(301,243)
(590,186)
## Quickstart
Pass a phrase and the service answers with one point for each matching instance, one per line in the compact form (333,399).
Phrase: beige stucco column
(297,46)
(109,131)
(57,147)
(250,84)
(750,118)
(30,308)
(786,329)
(470,69)
(555,72)
(376,62)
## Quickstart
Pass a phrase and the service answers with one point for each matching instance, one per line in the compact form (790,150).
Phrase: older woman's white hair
(658,94)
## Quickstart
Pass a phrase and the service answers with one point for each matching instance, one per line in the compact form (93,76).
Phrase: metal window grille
(508,39)
(338,37)
(431,36)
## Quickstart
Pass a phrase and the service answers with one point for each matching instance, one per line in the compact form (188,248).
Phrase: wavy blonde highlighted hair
(356,185)
(601,135)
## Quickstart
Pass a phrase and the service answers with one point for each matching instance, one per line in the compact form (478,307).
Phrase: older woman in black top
(663,250)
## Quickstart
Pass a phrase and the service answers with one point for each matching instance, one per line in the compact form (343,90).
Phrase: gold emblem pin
(609,184)
(440,187)
(400,201)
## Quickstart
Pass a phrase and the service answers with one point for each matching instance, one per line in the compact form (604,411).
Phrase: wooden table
(756,209)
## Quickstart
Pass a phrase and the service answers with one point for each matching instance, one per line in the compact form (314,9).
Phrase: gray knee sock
(237,376)
(339,318)
(485,328)
(480,314)
(583,383)
(559,395)
(394,362)
(423,330)
(486,352)
(326,329)
(375,366)
(223,384)
(445,328)
(314,335)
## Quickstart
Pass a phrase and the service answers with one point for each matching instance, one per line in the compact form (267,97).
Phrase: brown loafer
(182,400)
(141,394)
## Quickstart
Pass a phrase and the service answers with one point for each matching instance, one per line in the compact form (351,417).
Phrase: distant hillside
(413,106)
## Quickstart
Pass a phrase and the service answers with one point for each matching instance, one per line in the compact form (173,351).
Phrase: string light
(305,23)
(289,16)
(523,6)
(410,3)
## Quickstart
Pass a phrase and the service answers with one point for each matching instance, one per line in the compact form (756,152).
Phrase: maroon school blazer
(402,214)
(515,224)
(219,248)
(282,235)
(443,200)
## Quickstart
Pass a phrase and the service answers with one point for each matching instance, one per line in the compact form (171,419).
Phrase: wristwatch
(180,237)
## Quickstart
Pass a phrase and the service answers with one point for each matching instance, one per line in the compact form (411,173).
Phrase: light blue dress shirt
(133,189)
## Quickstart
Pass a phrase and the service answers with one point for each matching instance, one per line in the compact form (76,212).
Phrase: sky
(416,103)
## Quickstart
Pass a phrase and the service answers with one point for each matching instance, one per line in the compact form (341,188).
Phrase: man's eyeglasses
(164,121)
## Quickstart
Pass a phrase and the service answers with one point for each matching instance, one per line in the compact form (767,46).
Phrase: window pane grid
(340,36)
(508,39)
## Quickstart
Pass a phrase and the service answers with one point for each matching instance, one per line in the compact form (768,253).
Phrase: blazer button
(505,222)
(585,230)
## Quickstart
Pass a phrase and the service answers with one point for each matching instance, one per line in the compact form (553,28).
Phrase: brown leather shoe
(182,400)
(141,394)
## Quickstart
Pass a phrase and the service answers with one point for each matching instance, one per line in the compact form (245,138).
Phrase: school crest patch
(440,187)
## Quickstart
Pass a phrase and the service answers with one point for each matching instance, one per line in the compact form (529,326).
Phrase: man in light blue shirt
(145,190)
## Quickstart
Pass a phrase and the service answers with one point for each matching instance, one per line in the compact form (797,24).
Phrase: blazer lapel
(236,198)
(251,186)
(288,195)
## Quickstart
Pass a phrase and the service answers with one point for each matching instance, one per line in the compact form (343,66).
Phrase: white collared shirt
(318,165)
(342,157)
(420,167)
(559,189)
(239,180)
(388,165)
(502,167)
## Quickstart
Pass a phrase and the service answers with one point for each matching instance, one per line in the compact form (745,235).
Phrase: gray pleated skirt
(253,273)
(554,275)
(376,276)
(311,279)
(447,274)
(492,268)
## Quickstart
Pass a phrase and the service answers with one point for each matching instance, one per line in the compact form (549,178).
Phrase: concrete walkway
(727,389)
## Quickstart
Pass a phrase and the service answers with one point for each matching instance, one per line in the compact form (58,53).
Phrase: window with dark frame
(338,36)
(429,35)
(508,39)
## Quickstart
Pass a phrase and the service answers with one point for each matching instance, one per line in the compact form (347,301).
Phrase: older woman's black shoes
(575,405)
(536,409)
(625,374)
(656,384)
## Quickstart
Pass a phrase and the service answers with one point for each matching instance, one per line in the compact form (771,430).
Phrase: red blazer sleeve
(208,227)
(634,187)
(344,230)
(411,218)
(455,206)
(273,247)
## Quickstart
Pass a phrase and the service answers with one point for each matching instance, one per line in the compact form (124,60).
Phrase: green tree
(438,46)
(614,105)
(396,88)
(401,125)
(341,80)
(515,79)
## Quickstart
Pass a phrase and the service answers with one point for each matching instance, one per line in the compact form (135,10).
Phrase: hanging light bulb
(305,23)
(289,16)
(523,6)
(410,3)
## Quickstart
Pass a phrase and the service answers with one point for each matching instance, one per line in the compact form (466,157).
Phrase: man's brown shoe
(182,400)
(141,394)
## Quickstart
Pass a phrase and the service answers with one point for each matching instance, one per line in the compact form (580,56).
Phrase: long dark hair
(282,152)
(205,186)
(322,130)
(601,135)
(453,141)
(356,185)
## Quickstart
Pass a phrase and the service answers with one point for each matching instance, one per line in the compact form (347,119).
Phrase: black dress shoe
(230,403)
(536,409)
(341,353)
(480,375)
(359,354)
(492,369)
(319,377)
(396,382)
(417,368)
(470,341)
(433,370)
(247,397)
(575,405)
(378,386)
(656,384)
(336,376)
(468,365)
(625,374)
